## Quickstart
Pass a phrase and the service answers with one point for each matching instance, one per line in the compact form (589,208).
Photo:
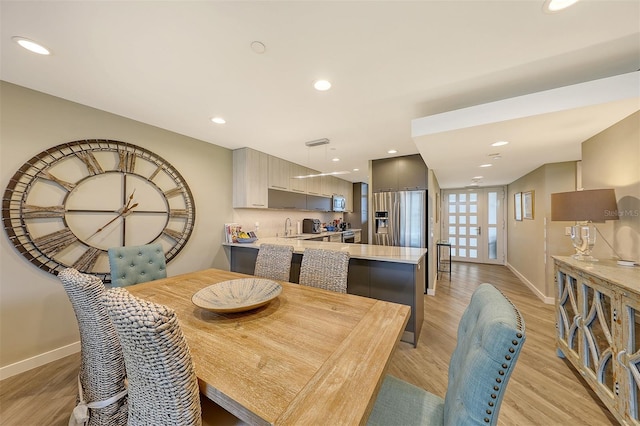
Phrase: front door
(474,224)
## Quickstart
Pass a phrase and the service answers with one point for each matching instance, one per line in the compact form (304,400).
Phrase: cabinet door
(298,184)
(314,184)
(412,173)
(250,178)
(329,186)
(385,175)
(279,173)
(347,192)
(629,358)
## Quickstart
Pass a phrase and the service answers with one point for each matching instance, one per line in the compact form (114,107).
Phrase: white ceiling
(176,64)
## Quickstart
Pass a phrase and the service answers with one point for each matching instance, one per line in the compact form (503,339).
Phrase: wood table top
(310,356)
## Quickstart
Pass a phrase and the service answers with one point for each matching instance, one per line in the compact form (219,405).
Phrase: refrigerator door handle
(396,220)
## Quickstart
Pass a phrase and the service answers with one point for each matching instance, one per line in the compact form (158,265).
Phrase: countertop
(624,276)
(411,255)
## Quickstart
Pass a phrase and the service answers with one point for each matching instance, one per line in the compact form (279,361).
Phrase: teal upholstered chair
(136,264)
(490,336)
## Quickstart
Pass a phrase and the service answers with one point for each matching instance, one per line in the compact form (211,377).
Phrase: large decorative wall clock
(67,205)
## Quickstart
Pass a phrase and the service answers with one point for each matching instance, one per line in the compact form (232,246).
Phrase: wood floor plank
(544,389)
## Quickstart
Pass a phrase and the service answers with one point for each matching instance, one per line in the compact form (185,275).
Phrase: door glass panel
(492,208)
(473,253)
(462,209)
(493,243)
(473,220)
(452,230)
(463,220)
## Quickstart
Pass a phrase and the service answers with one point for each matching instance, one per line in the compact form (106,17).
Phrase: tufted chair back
(136,264)
(490,337)
(491,333)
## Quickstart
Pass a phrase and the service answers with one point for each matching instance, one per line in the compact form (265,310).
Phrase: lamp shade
(595,205)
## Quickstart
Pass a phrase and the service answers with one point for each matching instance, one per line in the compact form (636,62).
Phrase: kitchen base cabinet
(389,281)
(598,330)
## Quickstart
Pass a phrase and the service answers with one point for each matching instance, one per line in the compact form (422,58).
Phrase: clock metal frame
(93,159)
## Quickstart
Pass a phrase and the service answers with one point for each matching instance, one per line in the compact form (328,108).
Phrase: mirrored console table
(598,330)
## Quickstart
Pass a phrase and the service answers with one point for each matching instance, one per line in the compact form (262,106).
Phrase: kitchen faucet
(286,230)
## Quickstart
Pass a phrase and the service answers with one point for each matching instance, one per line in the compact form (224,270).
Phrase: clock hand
(125,210)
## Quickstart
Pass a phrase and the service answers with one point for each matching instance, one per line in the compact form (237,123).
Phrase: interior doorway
(473,223)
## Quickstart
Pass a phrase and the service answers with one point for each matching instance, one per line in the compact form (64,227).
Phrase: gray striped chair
(274,262)
(327,269)
(163,387)
(101,382)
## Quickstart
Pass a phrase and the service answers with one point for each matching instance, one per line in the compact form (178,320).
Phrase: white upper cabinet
(250,178)
(297,184)
(279,173)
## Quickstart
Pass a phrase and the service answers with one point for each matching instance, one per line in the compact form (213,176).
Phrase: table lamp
(584,207)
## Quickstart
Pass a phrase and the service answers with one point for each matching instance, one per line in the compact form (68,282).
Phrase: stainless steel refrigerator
(400,218)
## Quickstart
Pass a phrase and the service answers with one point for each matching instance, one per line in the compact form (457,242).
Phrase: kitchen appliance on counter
(311,226)
(400,218)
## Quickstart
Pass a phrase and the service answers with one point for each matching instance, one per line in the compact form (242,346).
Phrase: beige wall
(35,314)
(610,159)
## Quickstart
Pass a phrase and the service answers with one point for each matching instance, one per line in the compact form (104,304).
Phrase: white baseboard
(38,360)
(545,299)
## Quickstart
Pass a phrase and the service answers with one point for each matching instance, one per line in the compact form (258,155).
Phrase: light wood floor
(543,389)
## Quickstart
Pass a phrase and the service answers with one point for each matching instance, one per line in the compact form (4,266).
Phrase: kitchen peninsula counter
(393,274)
(358,251)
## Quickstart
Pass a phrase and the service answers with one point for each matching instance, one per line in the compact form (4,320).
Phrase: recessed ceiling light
(258,47)
(477,177)
(335,159)
(557,5)
(218,120)
(356,170)
(486,165)
(31,45)
(392,151)
(322,85)
(499,143)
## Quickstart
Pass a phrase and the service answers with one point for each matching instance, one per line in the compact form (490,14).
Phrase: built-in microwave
(339,203)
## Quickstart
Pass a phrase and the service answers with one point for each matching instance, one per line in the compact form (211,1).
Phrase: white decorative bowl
(237,295)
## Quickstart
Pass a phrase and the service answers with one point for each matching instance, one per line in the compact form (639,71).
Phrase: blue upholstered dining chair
(491,333)
(136,264)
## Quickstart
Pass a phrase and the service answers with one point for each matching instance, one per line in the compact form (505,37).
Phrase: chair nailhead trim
(486,420)
(515,342)
(512,350)
(496,388)
(493,396)
(488,411)
(490,403)
(508,357)
(501,373)
(504,365)
(499,380)
(519,335)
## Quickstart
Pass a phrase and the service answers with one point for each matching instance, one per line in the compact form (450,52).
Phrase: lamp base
(584,257)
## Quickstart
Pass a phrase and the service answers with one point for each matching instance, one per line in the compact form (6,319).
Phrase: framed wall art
(517,205)
(528,199)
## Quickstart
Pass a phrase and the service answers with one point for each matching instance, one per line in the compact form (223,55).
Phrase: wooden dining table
(308,357)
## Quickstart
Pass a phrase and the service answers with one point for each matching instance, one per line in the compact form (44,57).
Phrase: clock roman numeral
(36,212)
(127,161)
(178,213)
(173,234)
(90,161)
(155,173)
(48,176)
(55,242)
(87,260)
(173,192)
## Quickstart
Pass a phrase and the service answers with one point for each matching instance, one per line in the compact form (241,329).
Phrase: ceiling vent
(317,142)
